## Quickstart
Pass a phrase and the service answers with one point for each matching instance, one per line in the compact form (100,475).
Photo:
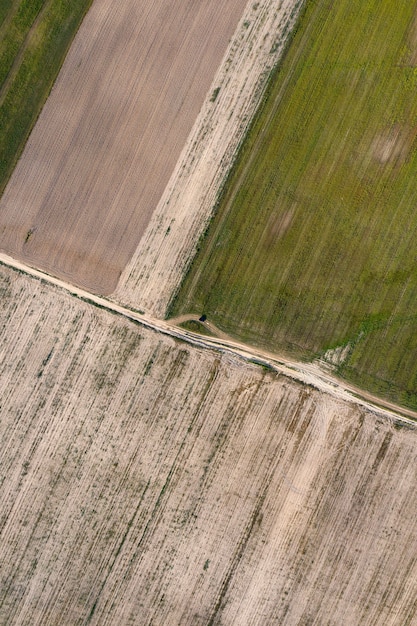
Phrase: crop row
(144,480)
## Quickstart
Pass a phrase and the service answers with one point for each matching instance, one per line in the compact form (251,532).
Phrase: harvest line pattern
(263,500)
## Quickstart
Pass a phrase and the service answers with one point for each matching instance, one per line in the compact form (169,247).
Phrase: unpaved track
(306,373)
(110,134)
(212,328)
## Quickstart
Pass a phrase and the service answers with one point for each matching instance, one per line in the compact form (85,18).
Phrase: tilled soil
(144,480)
(110,135)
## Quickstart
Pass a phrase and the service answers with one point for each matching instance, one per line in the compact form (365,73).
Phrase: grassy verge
(5,8)
(314,243)
(35,37)
(196,327)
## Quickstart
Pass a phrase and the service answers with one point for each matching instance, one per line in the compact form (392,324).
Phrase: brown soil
(186,206)
(394,145)
(110,135)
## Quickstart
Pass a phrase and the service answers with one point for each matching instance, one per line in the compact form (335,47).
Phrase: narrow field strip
(15,34)
(34,40)
(186,207)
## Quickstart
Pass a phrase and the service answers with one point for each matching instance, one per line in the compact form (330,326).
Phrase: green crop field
(314,241)
(34,37)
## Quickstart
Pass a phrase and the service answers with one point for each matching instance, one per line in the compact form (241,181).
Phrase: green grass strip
(15,33)
(32,50)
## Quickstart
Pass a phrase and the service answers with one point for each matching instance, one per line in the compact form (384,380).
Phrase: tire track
(307,373)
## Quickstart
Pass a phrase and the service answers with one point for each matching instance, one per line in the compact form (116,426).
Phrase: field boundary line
(152,277)
(305,373)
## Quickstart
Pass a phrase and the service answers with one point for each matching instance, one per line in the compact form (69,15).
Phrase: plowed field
(110,134)
(146,481)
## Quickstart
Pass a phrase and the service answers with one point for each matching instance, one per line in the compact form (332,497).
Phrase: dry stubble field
(144,481)
(110,134)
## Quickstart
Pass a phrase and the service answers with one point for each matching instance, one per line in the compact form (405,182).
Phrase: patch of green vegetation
(369,366)
(35,37)
(314,241)
(5,7)
(21,19)
(196,327)
(215,94)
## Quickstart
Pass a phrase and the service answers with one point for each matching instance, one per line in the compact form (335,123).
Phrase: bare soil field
(143,481)
(110,134)
(187,205)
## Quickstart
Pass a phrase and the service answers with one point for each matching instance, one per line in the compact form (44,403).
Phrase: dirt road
(307,373)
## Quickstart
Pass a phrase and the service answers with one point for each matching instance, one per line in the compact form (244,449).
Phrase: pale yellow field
(145,481)
(110,135)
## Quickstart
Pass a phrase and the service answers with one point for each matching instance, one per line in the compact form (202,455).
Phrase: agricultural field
(34,38)
(144,480)
(185,208)
(313,244)
(110,134)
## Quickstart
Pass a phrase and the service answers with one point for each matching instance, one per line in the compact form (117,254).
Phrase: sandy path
(215,330)
(307,373)
(169,243)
